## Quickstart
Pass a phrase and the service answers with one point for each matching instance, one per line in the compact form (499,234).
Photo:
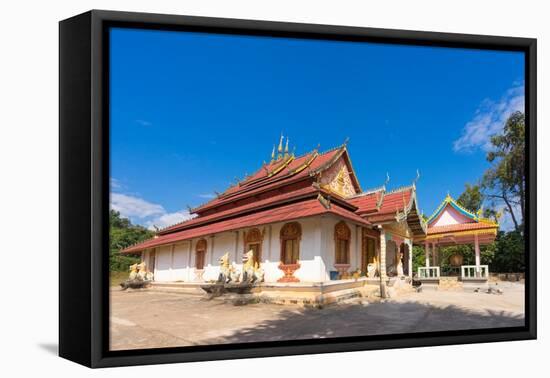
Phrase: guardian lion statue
(251,271)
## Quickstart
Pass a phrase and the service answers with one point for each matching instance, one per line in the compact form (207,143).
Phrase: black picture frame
(84,188)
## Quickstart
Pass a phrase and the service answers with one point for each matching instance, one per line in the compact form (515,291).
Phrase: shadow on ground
(372,319)
(51,348)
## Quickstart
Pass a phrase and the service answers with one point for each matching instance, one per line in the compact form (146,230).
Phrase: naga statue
(139,277)
(228,272)
(251,270)
(233,282)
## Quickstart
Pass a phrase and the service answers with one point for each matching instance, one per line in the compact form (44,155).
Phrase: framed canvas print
(234,188)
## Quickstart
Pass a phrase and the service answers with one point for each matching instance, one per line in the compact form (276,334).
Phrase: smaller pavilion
(452,224)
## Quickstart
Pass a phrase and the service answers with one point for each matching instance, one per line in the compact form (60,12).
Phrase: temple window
(200,254)
(342,237)
(253,241)
(291,234)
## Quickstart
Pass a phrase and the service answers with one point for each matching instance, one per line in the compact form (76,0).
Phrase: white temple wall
(317,252)
(181,267)
(163,263)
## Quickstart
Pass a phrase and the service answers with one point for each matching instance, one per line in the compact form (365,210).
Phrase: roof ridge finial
(280,148)
(387,179)
(286,147)
(416,178)
(273,153)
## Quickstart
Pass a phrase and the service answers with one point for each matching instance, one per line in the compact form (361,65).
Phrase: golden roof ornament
(280,148)
(286,148)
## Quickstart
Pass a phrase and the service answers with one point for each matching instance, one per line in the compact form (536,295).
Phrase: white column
(171,261)
(189,266)
(269,251)
(410,262)
(435,259)
(212,250)
(382,263)
(478,255)
(236,246)
(382,253)
(427,253)
(357,247)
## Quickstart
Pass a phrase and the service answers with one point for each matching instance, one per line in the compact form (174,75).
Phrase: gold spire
(280,149)
(273,154)
(286,147)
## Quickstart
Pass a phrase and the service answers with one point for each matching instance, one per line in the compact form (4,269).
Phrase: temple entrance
(253,241)
(404,250)
(391,258)
(368,254)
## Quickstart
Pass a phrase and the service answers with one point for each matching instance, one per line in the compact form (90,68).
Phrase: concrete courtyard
(154,319)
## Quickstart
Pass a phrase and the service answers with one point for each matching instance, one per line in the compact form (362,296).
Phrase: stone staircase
(450,284)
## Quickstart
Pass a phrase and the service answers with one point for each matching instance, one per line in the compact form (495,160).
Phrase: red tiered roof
(284,213)
(308,191)
(275,175)
(280,191)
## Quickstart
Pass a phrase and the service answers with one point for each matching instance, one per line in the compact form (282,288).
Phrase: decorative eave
(475,216)
(334,159)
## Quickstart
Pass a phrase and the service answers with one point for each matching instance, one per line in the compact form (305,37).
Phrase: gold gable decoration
(341,183)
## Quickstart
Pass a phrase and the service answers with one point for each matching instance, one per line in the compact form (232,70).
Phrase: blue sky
(190,112)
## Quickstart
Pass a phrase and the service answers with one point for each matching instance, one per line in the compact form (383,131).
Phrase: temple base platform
(314,294)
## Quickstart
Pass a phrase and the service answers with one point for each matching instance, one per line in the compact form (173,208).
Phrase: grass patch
(117,277)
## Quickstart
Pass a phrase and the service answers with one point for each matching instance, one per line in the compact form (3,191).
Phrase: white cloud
(143,122)
(134,207)
(115,184)
(168,219)
(489,119)
(145,213)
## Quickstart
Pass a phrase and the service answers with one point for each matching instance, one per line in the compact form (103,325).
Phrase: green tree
(471,198)
(504,182)
(510,253)
(122,234)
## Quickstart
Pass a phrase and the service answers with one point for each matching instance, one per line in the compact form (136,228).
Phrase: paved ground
(150,319)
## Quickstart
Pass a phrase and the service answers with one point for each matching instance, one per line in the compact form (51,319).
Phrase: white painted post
(427,253)
(212,250)
(382,263)
(270,252)
(189,266)
(410,244)
(171,262)
(435,260)
(478,255)
(236,246)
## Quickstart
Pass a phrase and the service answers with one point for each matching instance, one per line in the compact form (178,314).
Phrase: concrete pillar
(435,257)
(269,243)
(478,255)
(236,252)
(189,261)
(212,250)
(383,263)
(410,262)
(427,253)
(171,260)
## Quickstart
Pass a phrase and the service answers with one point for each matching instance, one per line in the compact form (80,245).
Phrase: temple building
(307,220)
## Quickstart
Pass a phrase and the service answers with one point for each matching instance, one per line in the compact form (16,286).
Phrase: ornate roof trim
(475,216)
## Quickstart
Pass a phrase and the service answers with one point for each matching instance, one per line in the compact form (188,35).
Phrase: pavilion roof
(463,231)
(288,212)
